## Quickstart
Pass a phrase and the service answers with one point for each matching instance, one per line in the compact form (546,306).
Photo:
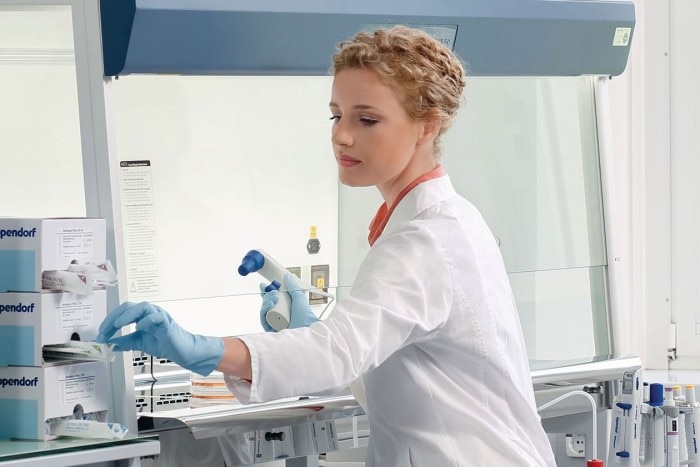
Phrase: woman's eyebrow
(357,107)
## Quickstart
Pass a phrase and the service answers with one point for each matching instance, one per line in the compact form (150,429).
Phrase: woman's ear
(431,127)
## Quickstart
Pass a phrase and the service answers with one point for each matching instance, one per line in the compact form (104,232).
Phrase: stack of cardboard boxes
(33,389)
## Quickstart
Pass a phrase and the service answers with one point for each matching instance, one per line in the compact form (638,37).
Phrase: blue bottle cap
(656,395)
(252,261)
(274,285)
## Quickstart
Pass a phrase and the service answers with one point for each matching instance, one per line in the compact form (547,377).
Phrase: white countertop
(676,377)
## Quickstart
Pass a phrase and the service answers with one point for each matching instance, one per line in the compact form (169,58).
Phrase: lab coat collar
(420,198)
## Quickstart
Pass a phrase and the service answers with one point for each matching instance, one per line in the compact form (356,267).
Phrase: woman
(430,333)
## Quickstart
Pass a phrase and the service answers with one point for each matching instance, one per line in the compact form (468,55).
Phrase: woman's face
(374,140)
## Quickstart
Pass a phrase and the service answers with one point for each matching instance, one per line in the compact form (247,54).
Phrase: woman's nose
(341,135)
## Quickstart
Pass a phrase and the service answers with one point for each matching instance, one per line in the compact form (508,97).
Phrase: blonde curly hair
(426,74)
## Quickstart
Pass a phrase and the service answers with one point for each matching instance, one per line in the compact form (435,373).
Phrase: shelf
(73,451)
(206,422)
(595,369)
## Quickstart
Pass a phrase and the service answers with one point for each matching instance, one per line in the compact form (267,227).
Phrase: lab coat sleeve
(402,294)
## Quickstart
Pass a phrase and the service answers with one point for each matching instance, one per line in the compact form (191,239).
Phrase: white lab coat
(432,330)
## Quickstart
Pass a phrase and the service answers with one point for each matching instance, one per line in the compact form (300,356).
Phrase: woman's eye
(368,121)
(335,118)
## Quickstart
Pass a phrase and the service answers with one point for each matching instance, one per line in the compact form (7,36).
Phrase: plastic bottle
(262,263)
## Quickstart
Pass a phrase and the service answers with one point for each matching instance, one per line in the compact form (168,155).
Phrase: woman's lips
(347,161)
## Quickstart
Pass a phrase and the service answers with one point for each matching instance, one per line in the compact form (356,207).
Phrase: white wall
(650,181)
(656,126)
(39,129)
(684,128)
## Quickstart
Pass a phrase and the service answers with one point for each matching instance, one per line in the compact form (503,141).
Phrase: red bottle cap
(594,463)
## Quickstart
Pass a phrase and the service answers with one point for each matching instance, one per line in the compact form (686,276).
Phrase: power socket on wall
(320,275)
(575,445)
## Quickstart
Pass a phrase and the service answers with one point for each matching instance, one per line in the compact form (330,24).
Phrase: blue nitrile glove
(300,314)
(159,335)
(270,298)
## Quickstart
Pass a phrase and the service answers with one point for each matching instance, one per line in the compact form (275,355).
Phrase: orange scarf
(376,227)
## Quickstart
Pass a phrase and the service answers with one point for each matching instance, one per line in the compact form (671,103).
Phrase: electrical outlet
(320,275)
(575,445)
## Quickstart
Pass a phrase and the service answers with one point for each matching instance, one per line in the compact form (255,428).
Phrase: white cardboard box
(32,245)
(29,321)
(31,395)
